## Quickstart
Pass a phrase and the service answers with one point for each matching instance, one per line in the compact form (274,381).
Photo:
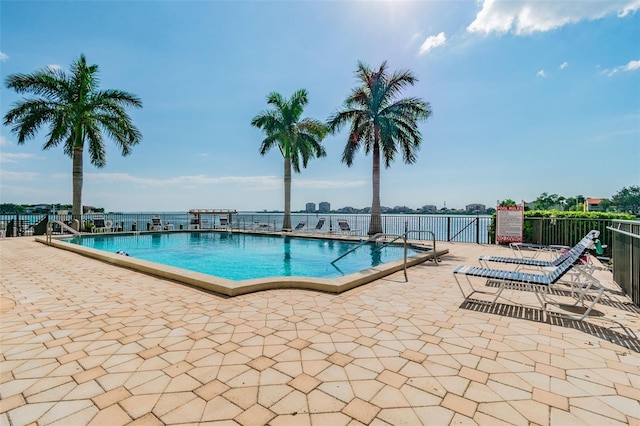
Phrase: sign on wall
(509,224)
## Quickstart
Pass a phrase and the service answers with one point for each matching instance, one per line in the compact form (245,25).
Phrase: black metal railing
(456,228)
(453,228)
(565,231)
(626,257)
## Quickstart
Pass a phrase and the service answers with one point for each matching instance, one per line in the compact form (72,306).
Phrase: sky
(527,97)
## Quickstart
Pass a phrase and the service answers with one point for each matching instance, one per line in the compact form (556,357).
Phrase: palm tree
(381,124)
(77,112)
(297,139)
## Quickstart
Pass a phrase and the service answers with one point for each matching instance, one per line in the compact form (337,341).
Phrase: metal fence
(626,257)
(457,228)
(566,231)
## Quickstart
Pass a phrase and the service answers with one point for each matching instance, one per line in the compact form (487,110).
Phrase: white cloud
(10,157)
(327,184)
(6,175)
(631,66)
(529,16)
(3,57)
(564,65)
(4,141)
(54,67)
(541,73)
(432,42)
(254,182)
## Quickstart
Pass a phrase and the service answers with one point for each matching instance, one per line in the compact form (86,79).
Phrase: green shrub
(569,227)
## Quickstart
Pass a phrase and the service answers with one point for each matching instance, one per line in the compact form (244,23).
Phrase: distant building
(347,209)
(324,207)
(37,208)
(429,208)
(310,207)
(592,205)
(476,208)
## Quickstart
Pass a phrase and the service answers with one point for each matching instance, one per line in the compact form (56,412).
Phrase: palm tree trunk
(286,224)
(375,224)
(76,211)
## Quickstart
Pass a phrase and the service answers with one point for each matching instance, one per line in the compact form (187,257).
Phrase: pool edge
(236,288)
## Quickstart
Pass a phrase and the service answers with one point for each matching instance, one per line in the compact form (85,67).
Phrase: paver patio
(84,342)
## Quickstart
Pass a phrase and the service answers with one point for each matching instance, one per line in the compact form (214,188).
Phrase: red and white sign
(509,224)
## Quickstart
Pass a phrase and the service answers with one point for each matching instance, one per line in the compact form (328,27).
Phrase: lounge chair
(318,226)
(346,229)
(524,262)
(531,263)
(156,223)
(532,251)
(100,225)
(300,227)
(260,226)
(194,223)
(224,223)
(538,283)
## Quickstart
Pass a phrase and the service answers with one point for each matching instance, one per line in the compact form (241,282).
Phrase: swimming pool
(291,254)
(242,256)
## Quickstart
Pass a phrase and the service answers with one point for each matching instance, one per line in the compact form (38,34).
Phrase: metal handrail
(460,231)
(371,239)
(65,227)
(620,231)
(405,244)
(433,239)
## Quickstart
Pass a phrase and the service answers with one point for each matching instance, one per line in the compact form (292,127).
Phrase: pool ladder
(396,237)
(63,226)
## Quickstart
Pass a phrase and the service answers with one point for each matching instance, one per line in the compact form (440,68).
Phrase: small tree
(627,200)
(507,202)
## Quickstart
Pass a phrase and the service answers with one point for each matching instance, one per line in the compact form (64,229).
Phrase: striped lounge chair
(528,263)
(538,283)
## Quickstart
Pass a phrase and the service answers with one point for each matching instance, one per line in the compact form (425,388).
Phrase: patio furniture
(224,222)
(524,262)
(538,283)
(344,228)
(318,226)
(101,225)
(300,227)
(156,223)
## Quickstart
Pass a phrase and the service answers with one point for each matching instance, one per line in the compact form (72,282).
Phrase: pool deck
(86,342)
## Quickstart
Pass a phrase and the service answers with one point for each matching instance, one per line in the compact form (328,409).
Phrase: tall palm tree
(297,139)
(381,124)
(77,112)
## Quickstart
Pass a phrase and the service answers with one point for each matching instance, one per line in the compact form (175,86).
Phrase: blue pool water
(245,256)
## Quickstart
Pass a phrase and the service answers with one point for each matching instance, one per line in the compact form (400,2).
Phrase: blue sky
(527,97)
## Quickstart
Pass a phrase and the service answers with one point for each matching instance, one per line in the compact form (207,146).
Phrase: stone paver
(85,342)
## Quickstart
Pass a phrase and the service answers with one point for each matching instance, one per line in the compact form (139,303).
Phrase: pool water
(246,256)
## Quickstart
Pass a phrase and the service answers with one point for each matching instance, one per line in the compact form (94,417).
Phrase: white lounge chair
(101,225)
(344,228)
(156,223)
(538,283)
